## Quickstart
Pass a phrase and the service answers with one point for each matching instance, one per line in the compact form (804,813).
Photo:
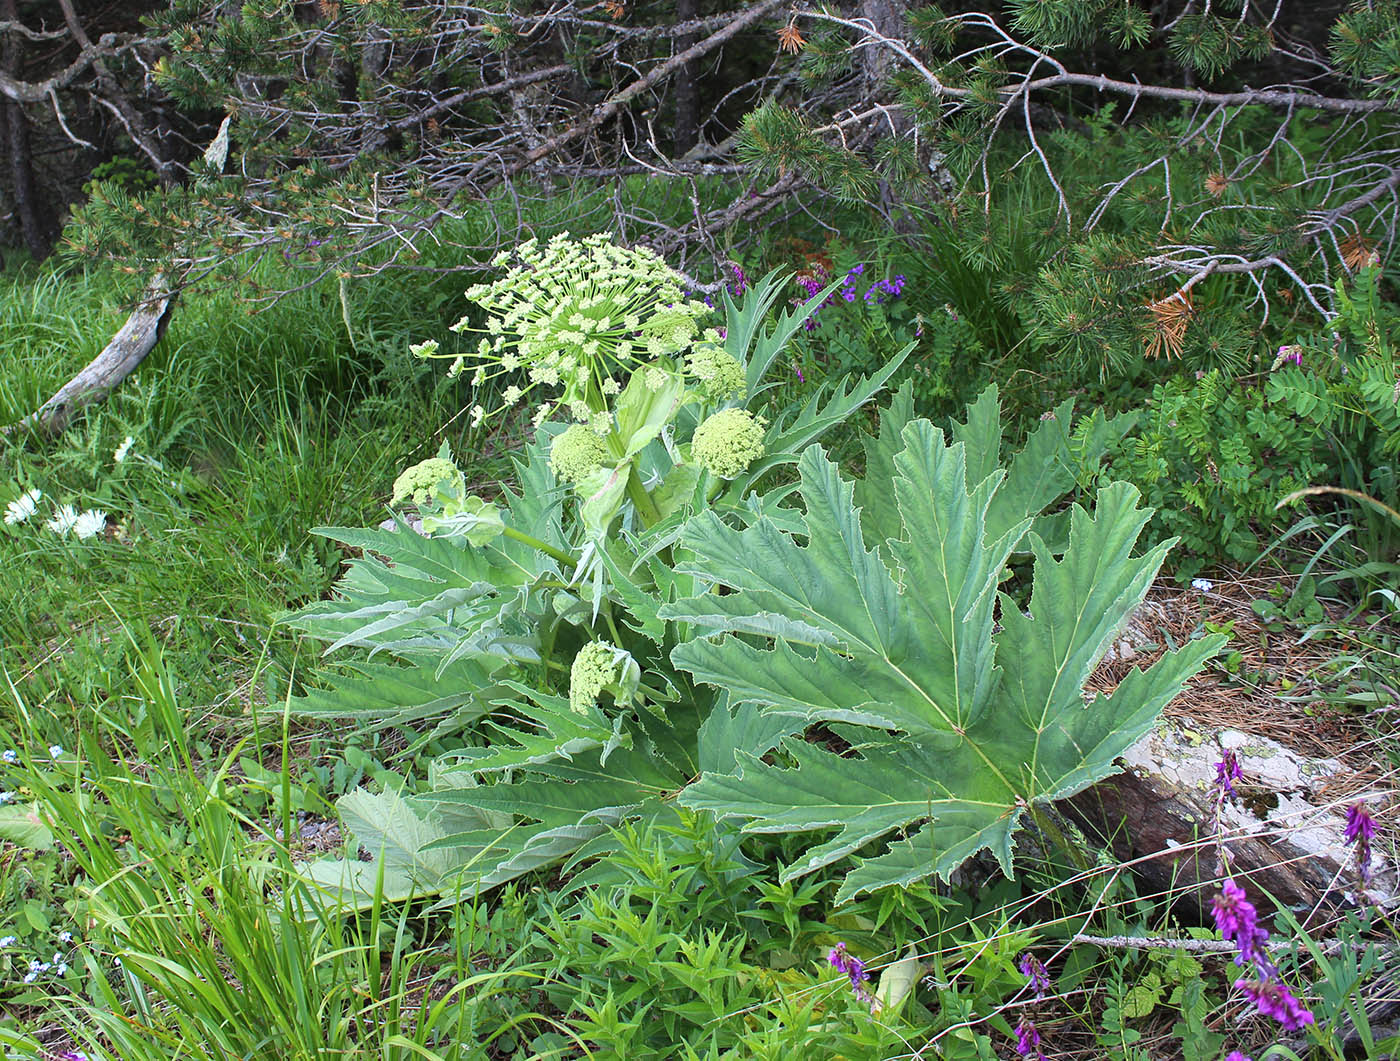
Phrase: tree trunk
(35,220)
(878,63)
(687,131)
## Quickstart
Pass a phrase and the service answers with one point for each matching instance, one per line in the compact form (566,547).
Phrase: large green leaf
(966,722)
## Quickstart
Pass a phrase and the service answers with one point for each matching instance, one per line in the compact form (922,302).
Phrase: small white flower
(63,520)
(55,750)
(65,937)
(10,756)
(90,523)
(8,941)
(29,978)
(61,969)
(6,797)
(1202,585)
(22,507)
(119,454)
(57,959)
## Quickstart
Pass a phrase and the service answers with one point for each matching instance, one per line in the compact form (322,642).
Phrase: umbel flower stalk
(570,321)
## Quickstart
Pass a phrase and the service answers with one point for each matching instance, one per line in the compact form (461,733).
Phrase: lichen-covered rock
(1283,835)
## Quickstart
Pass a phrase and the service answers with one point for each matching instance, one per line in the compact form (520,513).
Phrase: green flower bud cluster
(728,442)
(576,452)
(714,369)
(594,669)
(571,316)
(421,480)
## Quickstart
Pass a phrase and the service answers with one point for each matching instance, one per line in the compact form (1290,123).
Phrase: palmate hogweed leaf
(967,723)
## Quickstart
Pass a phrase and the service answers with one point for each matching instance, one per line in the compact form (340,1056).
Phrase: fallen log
(118,359)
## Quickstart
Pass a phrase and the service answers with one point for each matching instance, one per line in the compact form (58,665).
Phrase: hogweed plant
(646,615)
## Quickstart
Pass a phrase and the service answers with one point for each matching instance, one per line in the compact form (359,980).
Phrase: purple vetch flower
(854,969)
(798,369)
(740,283)
(1227,772)
(1360,830)
(1238,921)
(1028,1039)
(1034,971)
(1289,353)
(1273,999)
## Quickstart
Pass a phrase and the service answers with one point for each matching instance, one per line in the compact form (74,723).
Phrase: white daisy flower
(22,507)
(90,523)
(63,520)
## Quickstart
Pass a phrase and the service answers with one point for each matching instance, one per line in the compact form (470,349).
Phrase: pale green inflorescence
(728,442)
(594,669)
(572,317)
(576,452)
(422,479)
(714,369)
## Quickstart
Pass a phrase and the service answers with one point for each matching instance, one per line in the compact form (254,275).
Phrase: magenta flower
(1034,971)
(1273,999)
(1028,1039)
(1227,772)
(854,969)
(1238,921)
(1360,830)
(1236,1055)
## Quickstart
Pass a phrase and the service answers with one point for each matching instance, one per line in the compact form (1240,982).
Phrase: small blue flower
(10,756)
(65,937)
(6,797)
(7,941)
(55,750)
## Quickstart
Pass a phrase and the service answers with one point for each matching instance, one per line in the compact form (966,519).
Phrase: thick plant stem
(646,508)
(544,547)
(1052,832)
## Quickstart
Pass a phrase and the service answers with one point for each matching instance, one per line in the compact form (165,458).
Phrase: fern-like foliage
(960,710)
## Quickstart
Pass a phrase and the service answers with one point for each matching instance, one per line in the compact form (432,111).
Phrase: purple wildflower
(1360,830)
(1034,971)
(1237,920)
(1227,771)
(740,283)
(1238,1055)
(1273,999)
(798,369)
(854,969)
(1028,1039)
